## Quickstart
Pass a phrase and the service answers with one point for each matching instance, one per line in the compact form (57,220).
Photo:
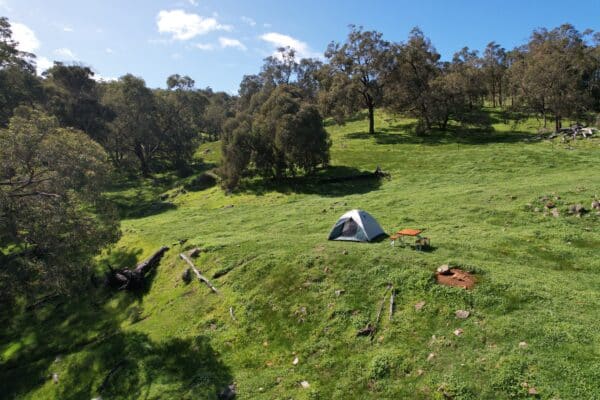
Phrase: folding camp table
(405,232)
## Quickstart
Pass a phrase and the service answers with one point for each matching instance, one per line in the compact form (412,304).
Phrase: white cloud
(65,53)
(303,50)
(108,50)
(267,25)
(67,29)
(204,46)
(99,78)
(229,42)
(42,64)
(25,37)
(185,26)
(193,2)
(249,21)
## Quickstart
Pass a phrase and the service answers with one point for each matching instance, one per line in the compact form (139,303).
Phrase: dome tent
(357,226)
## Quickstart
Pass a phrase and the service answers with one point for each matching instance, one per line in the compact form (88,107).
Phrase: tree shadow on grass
(143,368)
(335,181)
(404,134)
(82,341)
(137,197)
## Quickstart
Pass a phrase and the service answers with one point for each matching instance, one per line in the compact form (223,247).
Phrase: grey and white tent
(356,225)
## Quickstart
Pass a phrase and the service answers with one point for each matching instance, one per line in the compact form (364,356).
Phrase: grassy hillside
(475,193)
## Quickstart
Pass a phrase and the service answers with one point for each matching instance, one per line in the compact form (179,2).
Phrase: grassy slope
(538,282)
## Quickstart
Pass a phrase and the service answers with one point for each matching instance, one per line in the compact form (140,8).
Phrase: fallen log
(198,274)
(127,279)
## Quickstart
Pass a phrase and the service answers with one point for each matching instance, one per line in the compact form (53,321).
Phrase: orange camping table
(405,232)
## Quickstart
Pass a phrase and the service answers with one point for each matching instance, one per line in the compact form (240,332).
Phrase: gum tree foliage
(53,218)
(549,76)
(410,88)
(494,64)
(72,95)
(134,132)
(359,70)
(284,136)
(179,119)
(18,82)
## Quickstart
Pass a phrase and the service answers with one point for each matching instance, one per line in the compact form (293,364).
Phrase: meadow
(532,332)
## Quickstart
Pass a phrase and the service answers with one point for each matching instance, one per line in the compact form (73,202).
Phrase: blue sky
(216,42)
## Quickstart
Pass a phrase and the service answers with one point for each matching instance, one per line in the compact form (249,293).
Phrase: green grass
(474,192)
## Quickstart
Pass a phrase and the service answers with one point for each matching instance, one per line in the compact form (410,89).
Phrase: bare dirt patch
(456,277)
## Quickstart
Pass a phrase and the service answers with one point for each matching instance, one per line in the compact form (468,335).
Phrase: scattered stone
(182,241)
(339,292)
(279,379)
(420,372)
(55,377)
(595,205)
(269,363)
(228,393)
(265,344)
(345,252)
(462,314)
(305,384)
(444,270)
(550,205)
(326,270)
(458,332)
(195,252)
(537,209)
(555,213)
(228,206)
(577,209)
(419,306)
(522,345)
(431,356)
(532,391)
(296,361)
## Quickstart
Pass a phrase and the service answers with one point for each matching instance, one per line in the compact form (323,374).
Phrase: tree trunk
(371,118)
(140,154)
(500,93)
(544,114)
(557,123)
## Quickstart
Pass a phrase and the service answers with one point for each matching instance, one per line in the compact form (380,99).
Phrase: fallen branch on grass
(198,274)
(370,329)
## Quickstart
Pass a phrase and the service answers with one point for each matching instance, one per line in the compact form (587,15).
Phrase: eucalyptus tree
(416,67)
(494,68)
(360,67)
(549,77)
(134,132)
(72,95)
(18,82)
(53,218)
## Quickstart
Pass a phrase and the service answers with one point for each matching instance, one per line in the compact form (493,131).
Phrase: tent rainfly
(357,226)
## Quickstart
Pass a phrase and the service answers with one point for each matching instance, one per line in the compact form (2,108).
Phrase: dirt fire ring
(456,278)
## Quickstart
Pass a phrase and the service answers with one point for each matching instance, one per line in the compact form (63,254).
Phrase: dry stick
(198,274)
(231,313)
(392,303)
(389,286)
